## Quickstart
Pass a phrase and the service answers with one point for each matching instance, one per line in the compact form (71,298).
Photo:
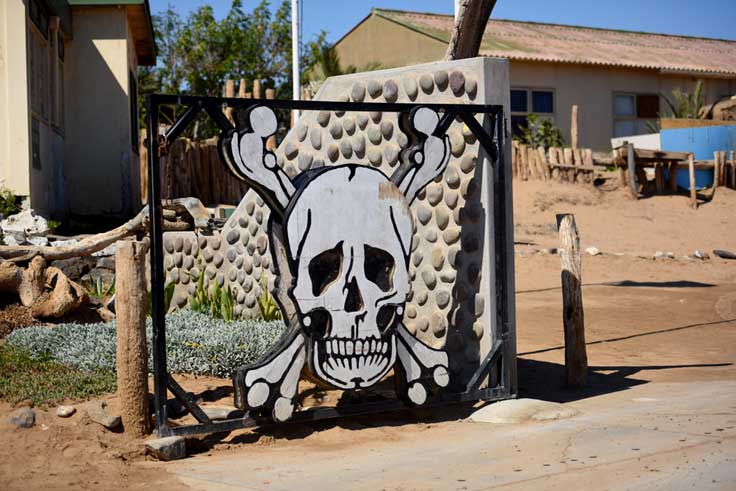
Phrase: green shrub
(195,343)
(267,305)
(541,132)
(8,202)
(218,302)
(45,381)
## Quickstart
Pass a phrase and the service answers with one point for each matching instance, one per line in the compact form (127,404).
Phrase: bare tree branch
(469,27)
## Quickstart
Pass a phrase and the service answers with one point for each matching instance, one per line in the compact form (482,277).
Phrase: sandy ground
(659,411)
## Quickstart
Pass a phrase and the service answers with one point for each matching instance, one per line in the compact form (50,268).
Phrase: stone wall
(451,304)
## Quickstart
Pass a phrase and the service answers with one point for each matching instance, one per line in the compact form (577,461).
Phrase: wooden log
(242,88)
(532,163)
(543,163)
(256,89)
(672,177)
(271,141)
(131,358)
(553,162)
(468,29)
(659,177)
(229,92)
(574,127)
(631,162)
(569,175)
(716,169)
(691,173)
(573,318)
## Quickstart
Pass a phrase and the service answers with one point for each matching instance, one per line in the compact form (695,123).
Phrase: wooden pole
(631,160)
(229,92)
(576,357)
(672,178)
(271,142)
(716,169)
(544,165)
(659,177)
(256,89)
(574,127)
(691,173)
(130,325)
(241,88)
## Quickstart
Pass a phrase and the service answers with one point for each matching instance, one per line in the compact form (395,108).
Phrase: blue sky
(705,18)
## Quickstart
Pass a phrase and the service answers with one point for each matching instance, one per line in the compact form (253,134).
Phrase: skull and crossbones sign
(346,234)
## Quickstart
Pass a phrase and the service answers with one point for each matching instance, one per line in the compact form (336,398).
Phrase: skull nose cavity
(353,299)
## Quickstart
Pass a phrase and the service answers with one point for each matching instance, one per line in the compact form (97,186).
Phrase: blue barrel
(702,142)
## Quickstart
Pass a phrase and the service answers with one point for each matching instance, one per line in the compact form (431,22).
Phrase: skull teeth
(356,347)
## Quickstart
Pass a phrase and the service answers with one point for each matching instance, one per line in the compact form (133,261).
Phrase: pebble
(724,254)
(219,413)
(664,255)
(168,448)
(593,251)
(701,255)
(65,411)
(97,412)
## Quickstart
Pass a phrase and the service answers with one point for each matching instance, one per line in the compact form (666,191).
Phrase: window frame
(635,119)
(529,103)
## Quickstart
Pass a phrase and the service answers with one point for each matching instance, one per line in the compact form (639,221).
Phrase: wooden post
(576,358)
(523,169)
(531,162)
(229,92)
(568,173)
(543,163)
(716,169)
(271,142)
(574,127)
(659,177)
(553,160)
(256,89)
(691,173)
(631,160)
(672,177)
(131,358)
(733,169)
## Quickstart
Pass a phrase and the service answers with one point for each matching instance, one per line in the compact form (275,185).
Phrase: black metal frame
(495,366)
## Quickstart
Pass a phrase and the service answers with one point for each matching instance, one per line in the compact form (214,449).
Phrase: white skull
(349,235)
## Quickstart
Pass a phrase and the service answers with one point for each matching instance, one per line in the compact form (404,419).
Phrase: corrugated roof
(533,41)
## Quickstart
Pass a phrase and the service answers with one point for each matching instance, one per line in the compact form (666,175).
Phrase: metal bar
(484,369)
(187,400)
(182,122)
(215,112)
(157,271)
(314,105)
(445,123)
(485,139)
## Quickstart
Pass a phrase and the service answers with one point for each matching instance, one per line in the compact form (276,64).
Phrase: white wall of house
(14,98)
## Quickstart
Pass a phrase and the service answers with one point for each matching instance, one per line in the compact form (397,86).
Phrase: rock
(24,417)
(65,411)
(374,88)
(38,241)
(724,254)
(24,225)
(457,82)
(441,79)
(390,91)
(358,92)
(698,254)
(107,251)
(664,255)
(106,263)
(426,83)
(553,250)
(521,410)
(592,250)
(219,413)
(97,412)
(410,86)
(168,448)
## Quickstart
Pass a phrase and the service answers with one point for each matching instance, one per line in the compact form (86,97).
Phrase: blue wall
(702,142)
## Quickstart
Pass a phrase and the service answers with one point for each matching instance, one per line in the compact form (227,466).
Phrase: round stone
(187,246)
(451,198)
(362,120)
(457,143)
(434,193)
(374,134)
(333,152)
(315,138)
(262,244)
(448,276)
(65,411)
(438,258)
(232,236)
(247,266)
(169,245)
(443,298)
(188,262)
(241,296)
(207,255)
(411,311)
(451,235)
(452,178)
(468,135)
(232,275)
(410,86)
(217,259)
(215,243)
(457,82)
(250,207)
(301,132)
(357,92)
(220,279)
(323,117)
(479,304)
(442,217)
(431,235)
(243,222)
(374,88)
(291,150)
(470,243)
(253,228)
(422,297)
(478,330)
(424,214)
(422,324)
(346,149)
(374,156)
(178,259)
(426,83)
(441,79)
(305,161)
(348,125)
(250,300)
(178,244)
(257,260)
(387,129)
(391,152)
(467,163)
(390,91)
(402,140)
(247,284)
(438,324)
(336,130)
(471,86)
(416,258)
(259,216)
(375,116)
(429,278)
(342,98)
(358,144)
(210,272)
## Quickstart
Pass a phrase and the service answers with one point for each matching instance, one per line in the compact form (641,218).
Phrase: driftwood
(470,24)
(65,296)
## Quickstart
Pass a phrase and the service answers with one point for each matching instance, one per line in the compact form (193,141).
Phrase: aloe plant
(267,305)
(684,105)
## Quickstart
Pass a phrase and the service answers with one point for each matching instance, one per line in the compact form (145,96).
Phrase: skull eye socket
(325,268)
(385,317)
(379,267)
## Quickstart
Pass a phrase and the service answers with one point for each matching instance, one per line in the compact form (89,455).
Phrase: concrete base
(169,448)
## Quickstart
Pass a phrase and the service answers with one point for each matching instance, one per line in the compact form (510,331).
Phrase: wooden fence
(559,164)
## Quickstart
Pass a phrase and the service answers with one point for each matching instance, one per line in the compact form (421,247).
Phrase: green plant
(53,224)
(168,296)
(218,302)
(97,287)
(541,132)
(685,105)
(46,381)
(195,343)
(8,202)
(267,305)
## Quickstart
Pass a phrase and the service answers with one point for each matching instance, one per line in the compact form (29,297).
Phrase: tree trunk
(470,24)
(132,355)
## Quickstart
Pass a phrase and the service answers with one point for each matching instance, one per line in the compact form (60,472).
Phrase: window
(38,72)
(526,101)
(133,98)
(632,113)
